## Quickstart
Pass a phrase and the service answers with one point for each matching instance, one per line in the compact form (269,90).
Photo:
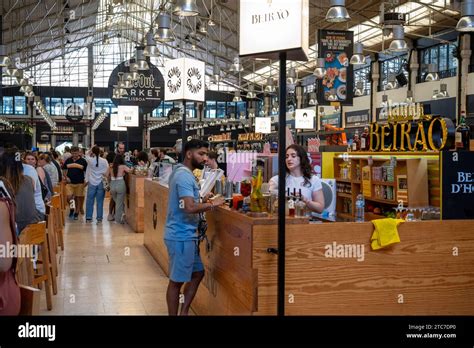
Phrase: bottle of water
(360,208)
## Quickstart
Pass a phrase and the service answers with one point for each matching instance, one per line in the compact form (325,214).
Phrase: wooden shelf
(345,195)
(344,180)
(355,181)
(381,200)
(384,183)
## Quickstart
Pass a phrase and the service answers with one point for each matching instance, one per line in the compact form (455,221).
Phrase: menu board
(357,118)
(332,119)
(336,47)
(457,180)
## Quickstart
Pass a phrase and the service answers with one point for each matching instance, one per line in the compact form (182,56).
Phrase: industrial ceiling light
(236,65)
(202,27)
(211,23)
(186,8)
(150,49)
(409,98)
(337,12)
(270,86)
(436,94)
(358,57)
(22,81)
(332,96)
(240,126)
(466,22)
(164,33)
(359,90)
(291,78)
(142,64)
(4,59)
(237,97)
(105,40)
(320,70)
(313,100)
(391,83)
(222,129)
(251,93)
(398,44)
(216,73)
(13,72)
(444,90)
(432,74)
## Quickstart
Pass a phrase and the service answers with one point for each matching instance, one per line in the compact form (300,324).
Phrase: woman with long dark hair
(299,176)
(97,169)
(117,186)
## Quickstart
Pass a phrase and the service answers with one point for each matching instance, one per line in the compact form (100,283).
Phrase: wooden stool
(58,224)
(35,234)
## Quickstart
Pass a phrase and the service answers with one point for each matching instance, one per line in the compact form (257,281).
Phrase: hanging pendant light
(358,57)
(444,90)
(150,49)
(251,93)
(466,23)
(236,65)
(186,8)
(4,59)
(13,72)
(22,81)
(337,12)
(320,70)
(432,74)
(398,44)
(292,78)
(141,62)
(313,100)
(237,97)
(164,32)
(392,82)
(409,98)
(359,90)
(270,86)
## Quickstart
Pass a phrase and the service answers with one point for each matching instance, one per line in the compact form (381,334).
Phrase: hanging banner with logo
(114,124)
(184,79)
(304,118)
(271,20)
(263,125)
(336,47)
(146,92)
(127,115)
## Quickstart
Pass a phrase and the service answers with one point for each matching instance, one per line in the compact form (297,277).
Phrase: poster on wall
(271,19)
(263,125)
(357,118)
(336,47)
(184,79)
(114,124)
(304,118)
(127,115)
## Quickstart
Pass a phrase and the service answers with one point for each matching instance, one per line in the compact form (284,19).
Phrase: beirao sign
(268,27)
(146,91)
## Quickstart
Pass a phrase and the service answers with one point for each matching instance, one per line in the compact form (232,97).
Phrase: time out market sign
(146,92)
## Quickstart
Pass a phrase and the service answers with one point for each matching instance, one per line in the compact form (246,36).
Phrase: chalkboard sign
(457,180)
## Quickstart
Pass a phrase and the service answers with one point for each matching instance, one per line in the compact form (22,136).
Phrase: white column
(464,66)
(414,66)
(374,89)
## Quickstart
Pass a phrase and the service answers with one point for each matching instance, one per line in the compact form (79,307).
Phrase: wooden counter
(135,202)
(431,272)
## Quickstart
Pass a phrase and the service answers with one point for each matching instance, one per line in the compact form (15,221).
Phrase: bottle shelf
(384,183)
(345,195)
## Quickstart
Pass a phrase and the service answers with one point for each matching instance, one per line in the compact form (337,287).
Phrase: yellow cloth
(385,233)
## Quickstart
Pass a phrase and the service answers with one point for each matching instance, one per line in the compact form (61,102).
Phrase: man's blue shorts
(184,259)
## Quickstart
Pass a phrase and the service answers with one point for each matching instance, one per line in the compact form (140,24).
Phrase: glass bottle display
(462,134)
(257,201)
(364,140)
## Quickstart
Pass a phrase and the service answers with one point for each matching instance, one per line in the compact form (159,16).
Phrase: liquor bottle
(287,209)
(462,134)
(364,140)
(300,206)
(291,207)
(256,197)
(356,142)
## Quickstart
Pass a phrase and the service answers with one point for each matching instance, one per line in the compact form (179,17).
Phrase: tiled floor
(105,269)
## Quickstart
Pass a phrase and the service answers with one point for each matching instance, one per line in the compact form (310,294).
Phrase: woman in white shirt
(299,176)
(97,169)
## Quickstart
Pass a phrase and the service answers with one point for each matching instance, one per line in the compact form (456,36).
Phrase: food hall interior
(377,96)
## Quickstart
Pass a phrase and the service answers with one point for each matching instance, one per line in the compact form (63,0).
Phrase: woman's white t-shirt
(298,182)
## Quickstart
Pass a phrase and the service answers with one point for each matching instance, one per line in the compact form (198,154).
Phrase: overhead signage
(304,118)
(457,177)
(74,113)
(412,133)
(336,47)
(271,20)
(357,118)
(127,116)
(114,124)
(146,92)
(263,125)
(184,79)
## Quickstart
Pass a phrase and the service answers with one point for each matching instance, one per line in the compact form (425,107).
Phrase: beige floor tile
(124,308)
(83,308)
(156,308)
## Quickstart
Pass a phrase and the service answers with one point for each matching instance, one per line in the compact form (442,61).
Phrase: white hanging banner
(127,115)
(304,118)
(263,125)
(184,79)
(271,20)
(114,124)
